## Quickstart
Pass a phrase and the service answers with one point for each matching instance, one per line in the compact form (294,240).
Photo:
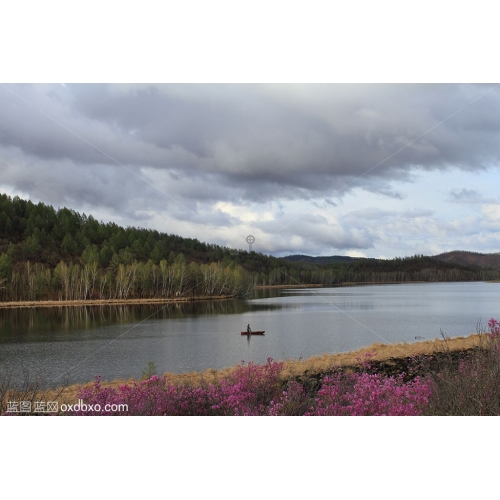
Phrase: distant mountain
(463,258)
(332,259)
(456,257)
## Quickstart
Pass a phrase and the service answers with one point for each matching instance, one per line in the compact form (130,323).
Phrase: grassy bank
(316,365)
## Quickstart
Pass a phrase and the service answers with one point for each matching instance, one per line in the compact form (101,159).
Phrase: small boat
(253,333)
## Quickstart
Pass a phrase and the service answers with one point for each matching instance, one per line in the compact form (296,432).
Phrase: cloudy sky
(377,170)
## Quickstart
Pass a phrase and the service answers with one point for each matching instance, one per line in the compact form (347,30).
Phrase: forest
(49,254)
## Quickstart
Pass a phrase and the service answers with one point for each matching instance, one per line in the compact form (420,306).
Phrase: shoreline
(109,302)
(313,366)
(360,283)
(124,302)
(259,287)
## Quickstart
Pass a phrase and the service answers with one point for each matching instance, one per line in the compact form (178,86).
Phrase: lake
(73,344)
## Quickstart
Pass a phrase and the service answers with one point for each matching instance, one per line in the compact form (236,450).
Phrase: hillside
(41,234)
(49,254)
(307,259)
(471,259)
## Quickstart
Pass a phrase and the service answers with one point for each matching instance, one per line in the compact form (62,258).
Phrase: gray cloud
(469,196)
(177,150)
(307,137)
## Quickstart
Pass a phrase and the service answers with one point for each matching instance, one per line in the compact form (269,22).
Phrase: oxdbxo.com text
(84,407)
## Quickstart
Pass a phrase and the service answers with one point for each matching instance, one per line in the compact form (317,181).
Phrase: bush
(362,394)
(258,390)
(471,386)
(247,391)
(22,391)
(150,370)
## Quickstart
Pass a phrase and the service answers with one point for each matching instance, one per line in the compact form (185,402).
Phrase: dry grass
(29,388)
(381,352)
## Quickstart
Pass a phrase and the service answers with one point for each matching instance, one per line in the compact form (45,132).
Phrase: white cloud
(355,253)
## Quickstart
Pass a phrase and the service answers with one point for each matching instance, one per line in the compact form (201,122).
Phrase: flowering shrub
(247,391)
(258,390)
(291,402)
(360,394)
(494,327)
(458,383)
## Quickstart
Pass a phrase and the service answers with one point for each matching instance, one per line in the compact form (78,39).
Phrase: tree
(5,266)
(90,255)
(5,274)
(180,274)
(69,244)
(31,248)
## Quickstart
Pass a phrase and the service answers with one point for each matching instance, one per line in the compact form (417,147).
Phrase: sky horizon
(365,170)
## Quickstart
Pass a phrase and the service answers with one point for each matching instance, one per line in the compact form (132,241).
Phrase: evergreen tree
(6,266)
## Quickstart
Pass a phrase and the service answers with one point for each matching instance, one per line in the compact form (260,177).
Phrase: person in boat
(249,330)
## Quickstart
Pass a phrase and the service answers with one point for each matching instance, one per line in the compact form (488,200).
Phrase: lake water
(75,344)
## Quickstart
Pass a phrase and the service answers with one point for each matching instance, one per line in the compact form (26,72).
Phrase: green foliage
(5,266)
(5,223)
(159,251)
(31,248)
(150,370)
(105,255)
(90,254)
(69,244)
(163,265)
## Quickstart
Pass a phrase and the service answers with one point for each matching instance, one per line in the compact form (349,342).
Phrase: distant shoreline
(109,302)
(358,283)
(348,283)
(258,287)
(124,302)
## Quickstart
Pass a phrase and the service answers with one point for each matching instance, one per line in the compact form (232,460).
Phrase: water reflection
(119,341)
(30,323)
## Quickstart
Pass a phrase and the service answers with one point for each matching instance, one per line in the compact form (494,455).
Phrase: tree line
(62,254)
(87,281)
(397,270)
